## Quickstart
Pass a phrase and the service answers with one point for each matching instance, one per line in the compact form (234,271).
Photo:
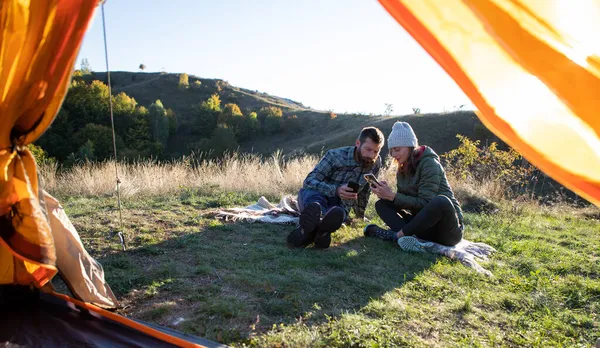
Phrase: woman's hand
(383,191)
(399,234)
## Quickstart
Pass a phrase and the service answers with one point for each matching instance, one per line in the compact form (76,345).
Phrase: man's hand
(383,191)
(345,192)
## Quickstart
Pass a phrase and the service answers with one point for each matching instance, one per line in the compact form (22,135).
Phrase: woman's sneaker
(410,243)
(378,232)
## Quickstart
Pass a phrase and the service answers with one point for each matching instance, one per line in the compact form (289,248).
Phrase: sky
(341,55)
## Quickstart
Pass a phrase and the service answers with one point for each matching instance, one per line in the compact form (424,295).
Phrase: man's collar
(353,157)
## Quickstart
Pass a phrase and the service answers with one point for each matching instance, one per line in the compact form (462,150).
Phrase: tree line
(82,128)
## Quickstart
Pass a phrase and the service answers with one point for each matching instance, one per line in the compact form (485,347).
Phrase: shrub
(184,81)
(486,165)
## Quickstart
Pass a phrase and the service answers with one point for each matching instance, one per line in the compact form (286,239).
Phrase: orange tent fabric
(532,69)
(39,44)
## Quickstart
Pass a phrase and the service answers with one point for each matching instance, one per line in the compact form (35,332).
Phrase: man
(325,199)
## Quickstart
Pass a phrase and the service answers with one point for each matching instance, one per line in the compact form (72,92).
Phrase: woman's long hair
(410,166)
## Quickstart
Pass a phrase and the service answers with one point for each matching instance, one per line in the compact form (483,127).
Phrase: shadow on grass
(230,281)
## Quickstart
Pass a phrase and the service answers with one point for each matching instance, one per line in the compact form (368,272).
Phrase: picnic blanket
(287,212)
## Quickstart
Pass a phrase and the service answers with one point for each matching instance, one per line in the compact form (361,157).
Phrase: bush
(486,165)
(271,118)
(184,82)
(41,156)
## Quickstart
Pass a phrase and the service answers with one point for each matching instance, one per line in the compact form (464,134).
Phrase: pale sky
(344,55)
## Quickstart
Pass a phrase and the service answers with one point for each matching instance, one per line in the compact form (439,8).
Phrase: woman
(424,208)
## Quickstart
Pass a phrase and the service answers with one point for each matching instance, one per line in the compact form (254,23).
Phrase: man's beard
(366,163)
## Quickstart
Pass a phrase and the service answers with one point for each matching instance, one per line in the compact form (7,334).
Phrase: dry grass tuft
(246,173)
(237,173)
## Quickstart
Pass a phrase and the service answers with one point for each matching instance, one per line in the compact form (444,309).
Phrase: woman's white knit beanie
(402,135)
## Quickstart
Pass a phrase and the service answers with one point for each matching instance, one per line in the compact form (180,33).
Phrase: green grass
(239,284)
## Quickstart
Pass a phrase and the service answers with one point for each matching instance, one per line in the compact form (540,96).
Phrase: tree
(57,139)
(87,103)
(270,118)
(142,67)
(159,123)
(138,136)
(221,140)
(213,103)
(100,138)
(249,126)
(172,122)
(124,108)
(229,115)
(205,116)
(86,151)
(84,116)
(269,111)
(41,156)
(86,69)
(184,81)
(389,108)
(197,84)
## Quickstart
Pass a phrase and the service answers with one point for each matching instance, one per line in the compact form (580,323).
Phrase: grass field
(239,284)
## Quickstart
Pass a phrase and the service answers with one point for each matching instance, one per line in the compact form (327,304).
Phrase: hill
(313,131)
(148,87)
(321,133)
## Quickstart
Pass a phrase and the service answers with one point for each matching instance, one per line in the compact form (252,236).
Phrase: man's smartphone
(354,186)
(371,179)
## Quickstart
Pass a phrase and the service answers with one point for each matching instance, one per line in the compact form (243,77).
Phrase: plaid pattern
(337,168)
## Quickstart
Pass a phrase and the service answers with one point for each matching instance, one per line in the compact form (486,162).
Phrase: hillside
(315,130)
(320,133)
(148,87)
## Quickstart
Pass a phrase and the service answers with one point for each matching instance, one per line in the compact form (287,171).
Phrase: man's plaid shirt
(337,168)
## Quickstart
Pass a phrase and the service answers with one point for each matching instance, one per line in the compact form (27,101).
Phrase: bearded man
(326,197)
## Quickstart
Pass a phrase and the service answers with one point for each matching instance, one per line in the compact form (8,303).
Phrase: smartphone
(371,179)
(354,186)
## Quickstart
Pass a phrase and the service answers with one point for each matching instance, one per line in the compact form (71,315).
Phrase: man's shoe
(331,222)
(322,241)
(304,234)
(296,238)
(378,232)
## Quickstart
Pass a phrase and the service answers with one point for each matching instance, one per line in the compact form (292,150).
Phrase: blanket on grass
(287,212)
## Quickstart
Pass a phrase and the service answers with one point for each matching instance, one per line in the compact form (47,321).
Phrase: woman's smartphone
(371,179)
